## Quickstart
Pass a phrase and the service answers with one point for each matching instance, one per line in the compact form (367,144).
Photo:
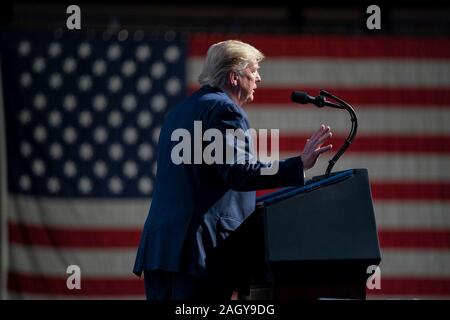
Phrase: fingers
(318,133)
(323,138)
(324,149)
(320,136)
(313,147)
(311,143)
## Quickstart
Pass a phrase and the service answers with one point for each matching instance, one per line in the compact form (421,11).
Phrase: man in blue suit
(195,206)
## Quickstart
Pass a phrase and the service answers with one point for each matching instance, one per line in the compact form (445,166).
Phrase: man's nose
(258,77)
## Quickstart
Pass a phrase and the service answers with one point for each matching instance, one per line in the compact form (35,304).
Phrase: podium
(310,242)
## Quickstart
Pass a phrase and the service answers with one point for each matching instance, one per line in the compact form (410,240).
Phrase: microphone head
(300,97)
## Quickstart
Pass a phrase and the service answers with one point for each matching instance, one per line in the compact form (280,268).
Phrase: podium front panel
(334,222)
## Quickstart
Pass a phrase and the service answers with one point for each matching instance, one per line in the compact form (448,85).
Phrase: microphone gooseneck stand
(341,104)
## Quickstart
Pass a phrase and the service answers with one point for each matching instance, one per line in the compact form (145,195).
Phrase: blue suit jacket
(195,206)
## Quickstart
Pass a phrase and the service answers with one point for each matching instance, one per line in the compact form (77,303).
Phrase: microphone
(319,101)
(304,98)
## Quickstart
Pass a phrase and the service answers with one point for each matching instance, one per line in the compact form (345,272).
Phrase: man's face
(248,83)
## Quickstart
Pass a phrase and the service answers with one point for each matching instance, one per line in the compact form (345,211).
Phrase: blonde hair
(225,56)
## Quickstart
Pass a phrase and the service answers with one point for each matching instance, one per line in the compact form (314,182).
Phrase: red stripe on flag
(412,286)
(420,191)
(65,237)
(376,143)
(414,239)
(411,191)
(359,98)
(32,284)
(36,284)
(332,46)
(402,191)
(39,236)
(363,97)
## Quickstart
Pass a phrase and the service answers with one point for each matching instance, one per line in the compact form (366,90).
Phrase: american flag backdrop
(83,116)
(83,113)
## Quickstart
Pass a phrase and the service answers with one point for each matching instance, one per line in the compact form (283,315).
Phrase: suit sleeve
(248,176)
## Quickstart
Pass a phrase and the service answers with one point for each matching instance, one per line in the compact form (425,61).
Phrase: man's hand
(313,147)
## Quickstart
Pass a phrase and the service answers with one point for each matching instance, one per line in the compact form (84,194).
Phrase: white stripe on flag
(90,213)
(345,72)
(389,214)
(432,215)
(399,167)
(376,120)
(415,263)
(103,262)
(119,263)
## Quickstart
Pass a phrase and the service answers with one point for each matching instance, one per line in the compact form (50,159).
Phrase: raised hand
(313,147)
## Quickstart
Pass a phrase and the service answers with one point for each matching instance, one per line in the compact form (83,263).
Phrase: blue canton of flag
(83,114)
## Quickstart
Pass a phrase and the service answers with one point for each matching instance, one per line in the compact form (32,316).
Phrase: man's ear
(233,77)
